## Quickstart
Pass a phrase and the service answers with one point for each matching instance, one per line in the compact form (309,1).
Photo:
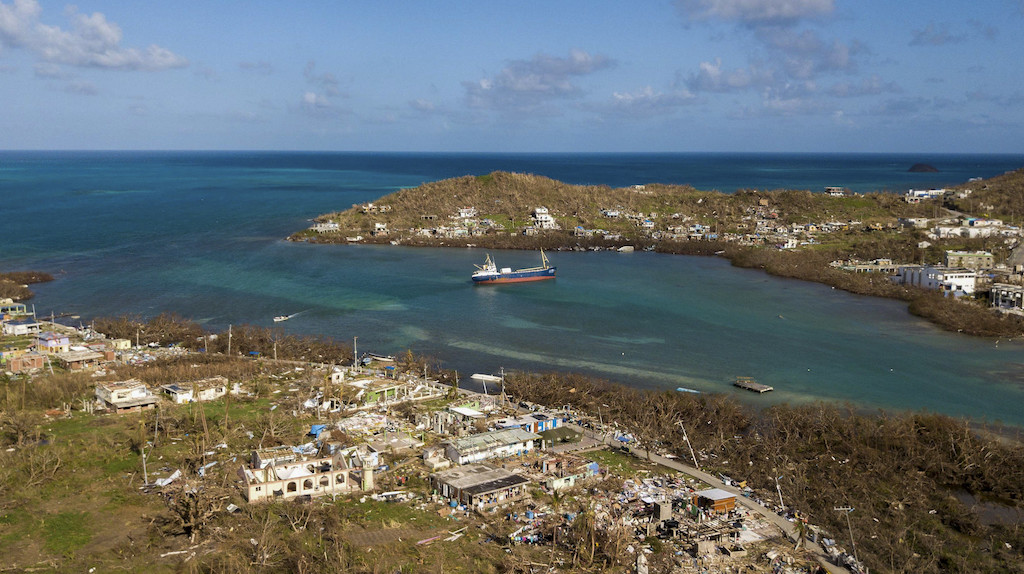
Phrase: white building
(494,444)
(948,280)
(122,396)
(543,220)
(204,390)
(326,227)
(280,474)
(19,327)
(916,195)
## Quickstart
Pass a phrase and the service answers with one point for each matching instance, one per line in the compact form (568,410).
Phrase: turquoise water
(201,234)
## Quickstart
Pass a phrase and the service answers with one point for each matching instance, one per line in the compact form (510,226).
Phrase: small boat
(489,274)
(280,318)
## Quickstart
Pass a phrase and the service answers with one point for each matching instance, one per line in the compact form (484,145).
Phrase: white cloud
(711,78)
(527,84)
(313,100)
(784,105)
(92,41)
(755,12)
(648,102)
(806,55)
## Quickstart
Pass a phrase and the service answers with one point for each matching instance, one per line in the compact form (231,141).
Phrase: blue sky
(525,76)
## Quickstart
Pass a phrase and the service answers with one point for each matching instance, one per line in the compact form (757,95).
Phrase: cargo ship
(489,274)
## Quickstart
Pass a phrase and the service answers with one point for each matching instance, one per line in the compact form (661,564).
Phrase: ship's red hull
(505,280)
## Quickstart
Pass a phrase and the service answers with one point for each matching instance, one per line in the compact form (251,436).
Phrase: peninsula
(954,254)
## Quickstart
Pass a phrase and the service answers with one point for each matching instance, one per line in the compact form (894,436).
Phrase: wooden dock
(749,384)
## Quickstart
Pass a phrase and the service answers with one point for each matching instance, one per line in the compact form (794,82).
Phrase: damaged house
(283,473)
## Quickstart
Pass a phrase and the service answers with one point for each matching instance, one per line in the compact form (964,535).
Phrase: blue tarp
(315,430)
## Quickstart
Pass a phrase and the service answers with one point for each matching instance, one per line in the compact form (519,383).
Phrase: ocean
(202,234)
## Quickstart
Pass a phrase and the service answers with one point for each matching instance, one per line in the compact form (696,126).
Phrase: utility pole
(145,474)
(229,340)
(687,439)
(779,490)
(848,510)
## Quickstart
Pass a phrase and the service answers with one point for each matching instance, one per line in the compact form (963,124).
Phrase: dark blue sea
(201,234)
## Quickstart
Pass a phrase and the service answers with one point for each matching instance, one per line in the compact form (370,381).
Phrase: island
(954,255)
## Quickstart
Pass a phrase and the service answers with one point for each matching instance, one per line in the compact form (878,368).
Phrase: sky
(523,76)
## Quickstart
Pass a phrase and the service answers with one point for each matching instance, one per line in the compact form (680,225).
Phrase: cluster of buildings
(33,345)
(473,441)
(485,458)
(758,225)
(963,273)
(963,227)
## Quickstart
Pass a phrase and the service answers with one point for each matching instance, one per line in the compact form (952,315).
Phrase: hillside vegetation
(508,199)
(999,197)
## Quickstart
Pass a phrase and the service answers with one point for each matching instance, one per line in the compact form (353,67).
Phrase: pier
(749,384)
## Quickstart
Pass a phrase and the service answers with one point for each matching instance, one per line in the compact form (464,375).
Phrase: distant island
(923,168)
(851,241)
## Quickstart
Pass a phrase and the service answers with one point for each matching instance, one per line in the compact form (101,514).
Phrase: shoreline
(786,265)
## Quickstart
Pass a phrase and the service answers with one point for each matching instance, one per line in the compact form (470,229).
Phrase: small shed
(715,500)
(554,436)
